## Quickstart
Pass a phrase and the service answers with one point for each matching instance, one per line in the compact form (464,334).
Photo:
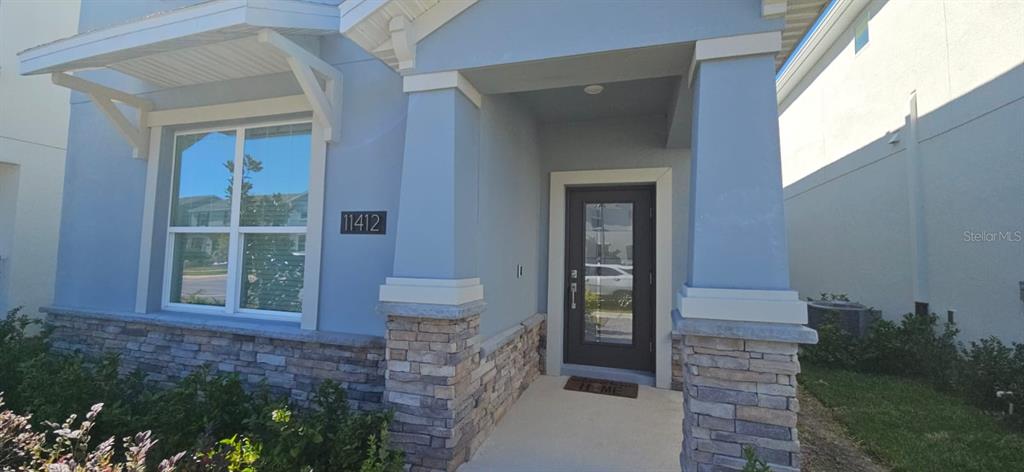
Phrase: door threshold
(638,377)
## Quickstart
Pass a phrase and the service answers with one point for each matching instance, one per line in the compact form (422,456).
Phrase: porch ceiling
(615,66)
(626,98)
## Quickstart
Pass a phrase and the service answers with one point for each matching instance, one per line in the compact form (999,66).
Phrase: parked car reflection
(608,279)
(609,303)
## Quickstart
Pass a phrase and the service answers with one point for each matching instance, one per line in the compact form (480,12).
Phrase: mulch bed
(825,446)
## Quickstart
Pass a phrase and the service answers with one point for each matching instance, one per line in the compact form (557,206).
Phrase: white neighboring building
(33,137)
(895,207)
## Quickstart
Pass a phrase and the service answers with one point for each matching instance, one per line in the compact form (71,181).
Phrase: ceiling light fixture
(593,89)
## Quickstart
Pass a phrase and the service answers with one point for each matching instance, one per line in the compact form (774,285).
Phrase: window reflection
(202,176)
(200,268)
(275,175)
(608,273)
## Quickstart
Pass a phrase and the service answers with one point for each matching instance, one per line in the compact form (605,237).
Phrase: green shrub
(16,348)
(914,348)
(329,437)
(263,431)
(834,348)
(991,367)
(754,464)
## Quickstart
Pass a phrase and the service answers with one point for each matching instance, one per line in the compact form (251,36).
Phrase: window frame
(236,232)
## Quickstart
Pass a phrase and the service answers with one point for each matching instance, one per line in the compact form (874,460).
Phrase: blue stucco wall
(438,232)
(737,232)
(512,186)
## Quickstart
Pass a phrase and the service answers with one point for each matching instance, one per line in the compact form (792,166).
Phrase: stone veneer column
(740,391)
(432,356)
(434,301)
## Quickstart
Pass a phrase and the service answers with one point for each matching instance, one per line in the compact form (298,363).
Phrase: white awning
(207,42)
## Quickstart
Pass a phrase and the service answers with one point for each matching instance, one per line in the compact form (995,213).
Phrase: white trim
(457,283)
(661,177)
(843,14)
(403,41)
(354,12)
(431,291)
(104,98)
(391,29)
(734,46)
(92,88)
(148,221)
(441,81)
(773,8)
(304,64)
(766,306)
(231,111)
(314,229)
(199,229)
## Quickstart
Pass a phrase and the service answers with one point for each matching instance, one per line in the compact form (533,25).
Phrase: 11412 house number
(364,222)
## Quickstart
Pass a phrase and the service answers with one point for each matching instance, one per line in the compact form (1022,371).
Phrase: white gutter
(832,26)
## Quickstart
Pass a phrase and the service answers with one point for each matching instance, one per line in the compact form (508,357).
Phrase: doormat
(603,387)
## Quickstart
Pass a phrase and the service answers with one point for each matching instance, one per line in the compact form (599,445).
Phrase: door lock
(572,295)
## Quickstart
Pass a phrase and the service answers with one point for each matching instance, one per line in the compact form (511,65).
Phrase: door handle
(572,294)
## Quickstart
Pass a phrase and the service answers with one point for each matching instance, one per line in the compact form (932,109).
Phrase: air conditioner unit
(853,318)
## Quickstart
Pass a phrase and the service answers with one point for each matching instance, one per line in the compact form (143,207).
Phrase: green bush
(991,367)
(915,347)
(754,463)
(263,431)
(918,347)
(834,348)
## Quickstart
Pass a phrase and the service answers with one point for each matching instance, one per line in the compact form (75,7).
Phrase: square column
(738,325)
(434,302)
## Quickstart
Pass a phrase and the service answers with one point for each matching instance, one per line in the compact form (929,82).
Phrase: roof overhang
(208,42)
(835,21)
(800,15)
(391,29)
(219,34)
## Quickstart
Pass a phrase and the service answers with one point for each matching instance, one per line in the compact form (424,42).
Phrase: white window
(861,36)
(236,237)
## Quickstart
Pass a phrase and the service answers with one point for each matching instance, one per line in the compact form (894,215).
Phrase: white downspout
(918,239)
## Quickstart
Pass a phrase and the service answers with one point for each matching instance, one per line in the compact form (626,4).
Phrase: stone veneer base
(449,389)
(166,348)
(739,391)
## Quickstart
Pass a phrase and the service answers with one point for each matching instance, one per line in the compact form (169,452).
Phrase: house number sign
(364,222)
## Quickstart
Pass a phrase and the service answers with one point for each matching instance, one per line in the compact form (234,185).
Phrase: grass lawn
(910,426)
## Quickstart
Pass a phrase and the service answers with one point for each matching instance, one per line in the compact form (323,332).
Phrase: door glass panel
(608,273)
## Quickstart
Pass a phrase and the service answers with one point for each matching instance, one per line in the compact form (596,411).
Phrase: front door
(609,277)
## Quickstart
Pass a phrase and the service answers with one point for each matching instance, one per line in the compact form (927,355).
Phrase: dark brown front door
(609,277)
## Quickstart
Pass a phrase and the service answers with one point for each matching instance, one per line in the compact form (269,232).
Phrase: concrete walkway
(551,429)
